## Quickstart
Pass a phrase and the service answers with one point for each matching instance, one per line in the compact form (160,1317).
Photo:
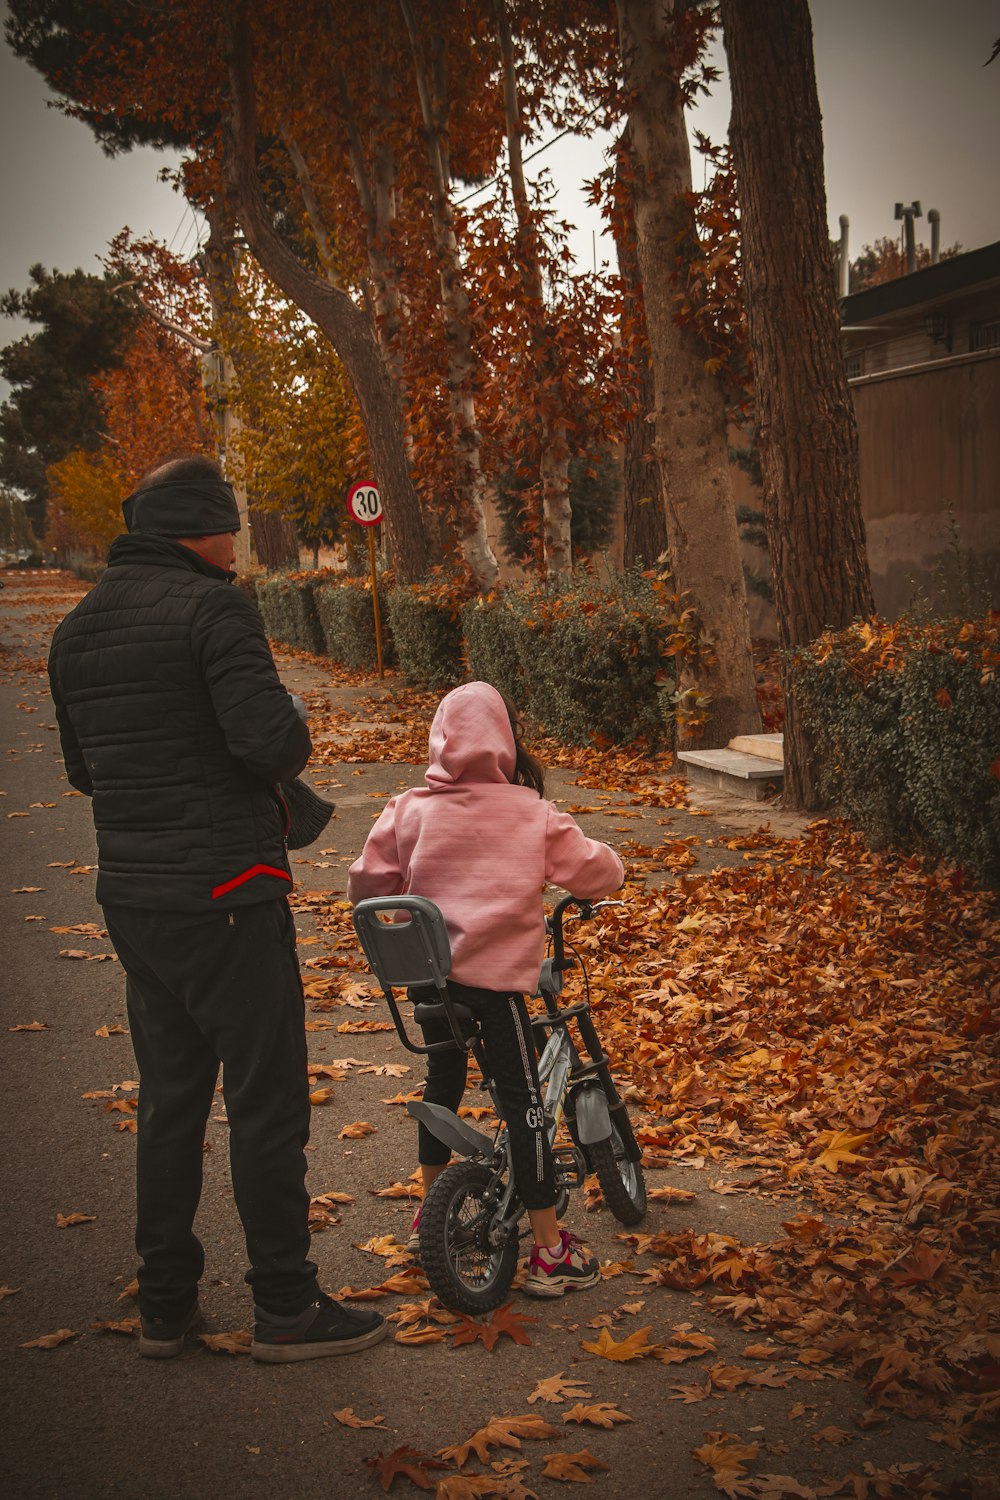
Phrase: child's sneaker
(553,1272)
(413,1243)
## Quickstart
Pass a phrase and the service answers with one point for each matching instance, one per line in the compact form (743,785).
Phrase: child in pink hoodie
(481,843)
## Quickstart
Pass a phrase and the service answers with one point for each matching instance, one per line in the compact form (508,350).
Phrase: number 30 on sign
(364,504)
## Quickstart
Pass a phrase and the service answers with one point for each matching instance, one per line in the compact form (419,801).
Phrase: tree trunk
(457,316)
(690,439)
(642,502)
(645,526)
(219,373)
(557,510)
(275,538)
(376,194)
(808,435)
(343,323)
(310,202)
(557,516)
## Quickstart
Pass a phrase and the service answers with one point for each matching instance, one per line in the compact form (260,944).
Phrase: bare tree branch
(312,207)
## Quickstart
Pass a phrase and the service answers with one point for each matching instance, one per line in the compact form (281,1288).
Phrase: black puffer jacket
(173,719)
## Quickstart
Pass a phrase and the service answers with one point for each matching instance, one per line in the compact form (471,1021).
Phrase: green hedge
(497,642)
(585,660)
(288,610)
(347,621)
(906,723)
(426,625)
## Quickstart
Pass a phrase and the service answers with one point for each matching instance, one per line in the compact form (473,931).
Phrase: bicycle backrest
(410,948)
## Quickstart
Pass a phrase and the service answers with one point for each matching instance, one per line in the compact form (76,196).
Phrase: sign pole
(365,505)
(378,616)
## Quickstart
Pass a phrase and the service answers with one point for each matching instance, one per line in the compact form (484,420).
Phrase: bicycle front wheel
(466,1272)
(621,1179)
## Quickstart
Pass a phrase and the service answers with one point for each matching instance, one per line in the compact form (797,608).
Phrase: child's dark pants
(510,1051)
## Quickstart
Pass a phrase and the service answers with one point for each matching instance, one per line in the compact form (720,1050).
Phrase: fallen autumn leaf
(51,1340)
(572,1467)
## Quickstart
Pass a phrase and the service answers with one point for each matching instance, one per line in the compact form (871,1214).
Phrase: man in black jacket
(173,719)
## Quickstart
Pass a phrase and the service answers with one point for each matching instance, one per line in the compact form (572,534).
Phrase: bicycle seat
(433,1010)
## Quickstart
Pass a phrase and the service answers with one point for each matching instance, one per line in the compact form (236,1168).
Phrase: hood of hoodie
(471,739)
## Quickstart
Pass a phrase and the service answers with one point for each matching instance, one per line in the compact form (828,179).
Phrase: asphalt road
(89,1418)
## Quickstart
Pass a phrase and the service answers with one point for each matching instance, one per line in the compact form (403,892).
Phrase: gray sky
(909,111)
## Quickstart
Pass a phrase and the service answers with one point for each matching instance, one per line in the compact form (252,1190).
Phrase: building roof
(960,273)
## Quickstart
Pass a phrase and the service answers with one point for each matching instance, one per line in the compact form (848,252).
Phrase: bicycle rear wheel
(621,1179)
(466,1272)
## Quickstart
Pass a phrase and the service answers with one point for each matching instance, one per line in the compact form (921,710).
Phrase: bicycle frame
(555,1070)
(577,1089)
(566,1079)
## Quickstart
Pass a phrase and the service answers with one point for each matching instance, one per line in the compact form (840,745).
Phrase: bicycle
(470,1220)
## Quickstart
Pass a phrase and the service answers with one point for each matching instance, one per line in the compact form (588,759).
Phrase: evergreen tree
(594,484)
(53,408)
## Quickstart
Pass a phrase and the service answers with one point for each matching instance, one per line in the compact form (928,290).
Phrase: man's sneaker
(553,1272)
(413,1243)
(325,1327)
(159,1339)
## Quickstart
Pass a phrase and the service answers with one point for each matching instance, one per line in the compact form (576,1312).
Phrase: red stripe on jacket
(230,885)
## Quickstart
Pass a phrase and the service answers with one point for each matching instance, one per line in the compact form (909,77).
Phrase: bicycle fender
(449,1129)
(593,1118)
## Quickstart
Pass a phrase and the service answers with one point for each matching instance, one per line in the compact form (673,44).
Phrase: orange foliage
(868,647)
(86,491)
(153,402)
(348,164)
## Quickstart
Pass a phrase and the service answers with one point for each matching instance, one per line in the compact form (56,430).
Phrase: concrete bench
(751,767)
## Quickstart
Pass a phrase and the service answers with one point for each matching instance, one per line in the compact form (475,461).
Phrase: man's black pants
(223,987)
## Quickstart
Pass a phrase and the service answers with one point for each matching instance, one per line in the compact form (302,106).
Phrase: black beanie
(308,812)
(183,507)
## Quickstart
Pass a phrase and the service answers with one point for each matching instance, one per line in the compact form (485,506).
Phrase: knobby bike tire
(621,1179)
(466,1273)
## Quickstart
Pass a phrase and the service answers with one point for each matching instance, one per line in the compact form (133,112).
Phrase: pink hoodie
(481,848)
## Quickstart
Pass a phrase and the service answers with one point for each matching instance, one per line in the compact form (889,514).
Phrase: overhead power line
(195,229)
(180,226)
(570,130)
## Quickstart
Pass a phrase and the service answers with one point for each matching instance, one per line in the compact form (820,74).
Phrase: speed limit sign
(366,507)
(364,504)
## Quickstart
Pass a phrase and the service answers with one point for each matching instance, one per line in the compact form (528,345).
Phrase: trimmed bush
(496,644)
(289,613)
(347,622)
(583,662)
(906,722)
(426,624)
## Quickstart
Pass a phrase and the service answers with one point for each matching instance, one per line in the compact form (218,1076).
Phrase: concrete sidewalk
(88,1418)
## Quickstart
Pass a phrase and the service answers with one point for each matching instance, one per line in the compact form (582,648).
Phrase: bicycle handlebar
(555,925)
